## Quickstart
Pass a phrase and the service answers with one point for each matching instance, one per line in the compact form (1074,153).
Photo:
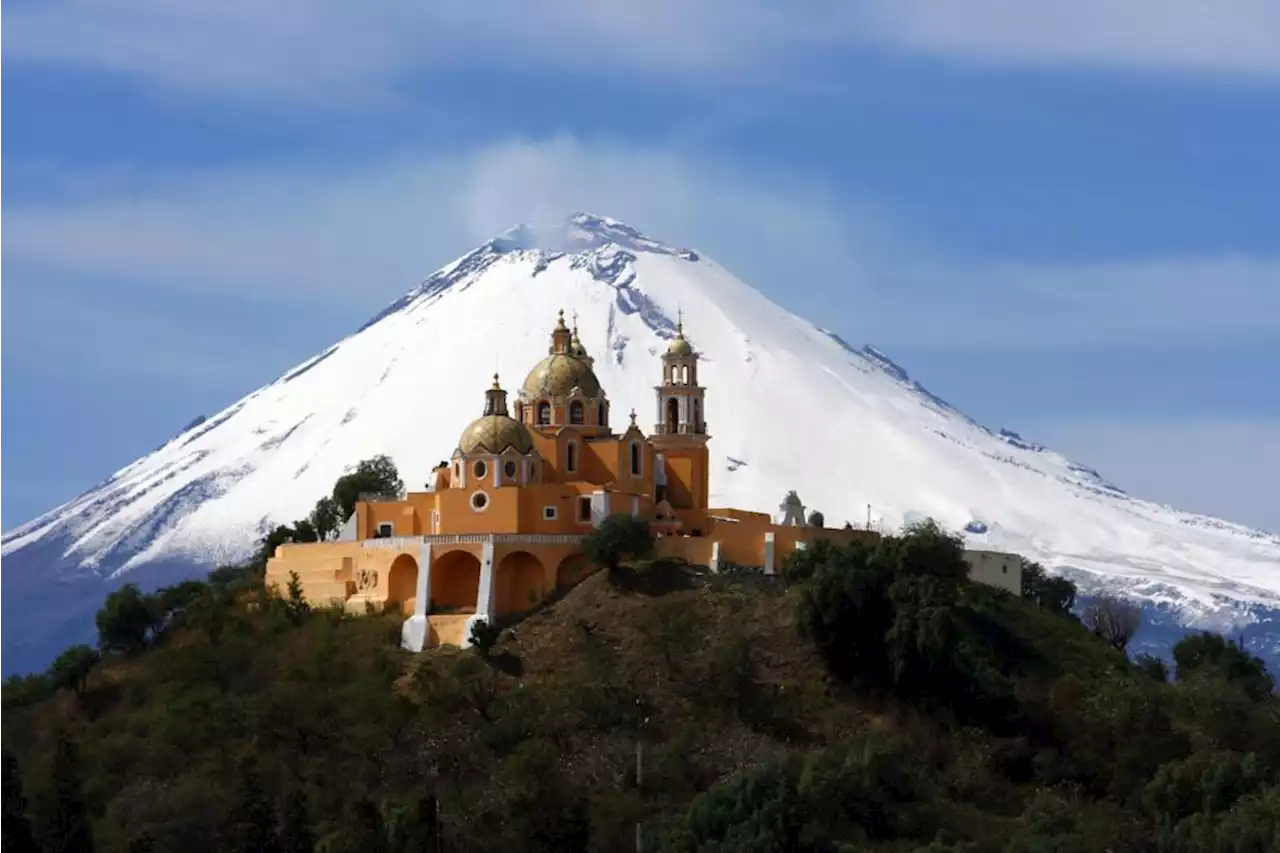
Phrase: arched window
(544,413)
(635,459)
(571,457)
(602,415)
(697,413)
(575,412)
(480,468)
(684,374)
(673,415)
(519,410)
(510,469)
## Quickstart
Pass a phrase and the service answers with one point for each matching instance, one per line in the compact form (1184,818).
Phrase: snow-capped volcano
(789,406)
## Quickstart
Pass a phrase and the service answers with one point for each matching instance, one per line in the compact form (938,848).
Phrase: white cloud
(1237,36)
(1224,469)
(352,241)
(326,51)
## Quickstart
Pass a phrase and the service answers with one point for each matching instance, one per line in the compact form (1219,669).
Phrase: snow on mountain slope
(789,406)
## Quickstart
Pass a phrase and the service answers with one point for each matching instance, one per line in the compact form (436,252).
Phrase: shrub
(1113,621)
(619,537)
(1212,655)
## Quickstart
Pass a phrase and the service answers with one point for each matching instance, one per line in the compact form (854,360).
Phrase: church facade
(500,525)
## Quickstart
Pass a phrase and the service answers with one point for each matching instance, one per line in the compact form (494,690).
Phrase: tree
(68,826)
(817,519)
(620,536)
(1211,655)
(18,837)
(484,636)
(372,476)
(1152,666)
(71,669)
(127,621)
(296,606)
(252,826)
(1055,594)
(1112,620)
(325,518)
(295,829)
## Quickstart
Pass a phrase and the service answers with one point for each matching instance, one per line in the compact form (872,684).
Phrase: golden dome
(679,346)
(494,434)
(558,374)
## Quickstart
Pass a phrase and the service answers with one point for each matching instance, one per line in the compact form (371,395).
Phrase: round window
(510,468)
(479,501)
(480,468)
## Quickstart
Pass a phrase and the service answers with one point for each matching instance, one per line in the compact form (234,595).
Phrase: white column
(715,557)
(768,553)
(414,632)
(484,600)
(424,579)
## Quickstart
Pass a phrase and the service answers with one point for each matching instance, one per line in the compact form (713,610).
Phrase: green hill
(873,700)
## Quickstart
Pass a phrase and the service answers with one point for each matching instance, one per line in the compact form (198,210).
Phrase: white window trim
(548,513)
(388,527)
(488,502)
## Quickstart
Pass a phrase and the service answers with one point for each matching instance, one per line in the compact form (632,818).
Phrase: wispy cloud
(326,51)
(1235,36)
(351,241)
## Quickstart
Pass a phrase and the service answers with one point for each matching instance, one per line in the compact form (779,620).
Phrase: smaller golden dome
(679,346)
(494,434)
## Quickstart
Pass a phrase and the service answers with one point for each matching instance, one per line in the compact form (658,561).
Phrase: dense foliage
(875,701)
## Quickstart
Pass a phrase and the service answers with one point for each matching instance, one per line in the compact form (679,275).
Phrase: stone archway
(571,570)
(673,415)
(519,582)
(402,582)
(455,581)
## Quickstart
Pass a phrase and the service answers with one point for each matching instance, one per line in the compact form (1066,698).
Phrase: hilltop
(871,700)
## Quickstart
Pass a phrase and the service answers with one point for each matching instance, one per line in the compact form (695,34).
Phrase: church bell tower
(681,432)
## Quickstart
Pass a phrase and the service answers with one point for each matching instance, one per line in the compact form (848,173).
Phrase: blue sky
(1063,218)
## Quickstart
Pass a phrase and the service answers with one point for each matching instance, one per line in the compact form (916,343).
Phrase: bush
(484,636)
(128,621)
(70,670)
(1213,656)
(619,537)
(1055,594)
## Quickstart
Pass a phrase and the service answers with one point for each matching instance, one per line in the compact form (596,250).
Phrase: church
(500,525)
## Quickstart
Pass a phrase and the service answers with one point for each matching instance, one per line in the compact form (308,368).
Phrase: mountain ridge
(408,379)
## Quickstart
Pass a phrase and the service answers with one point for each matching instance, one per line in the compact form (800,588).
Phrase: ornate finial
(560,320)
(496,386)
(633,417)
(679,321)
(575,321)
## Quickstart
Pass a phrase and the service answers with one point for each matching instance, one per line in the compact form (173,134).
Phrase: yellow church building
(500,526)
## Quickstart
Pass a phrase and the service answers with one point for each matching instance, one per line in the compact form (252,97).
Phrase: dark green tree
(70,670)
(845,608)
(295,827)
(68,828)
(817,519)
(295,605)
(1211,655)
(1152,666)
(619,537)
(252,826)
(16,826)
(1055,594)
(484,636)
(128,621)
(326,518)
(372,476)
